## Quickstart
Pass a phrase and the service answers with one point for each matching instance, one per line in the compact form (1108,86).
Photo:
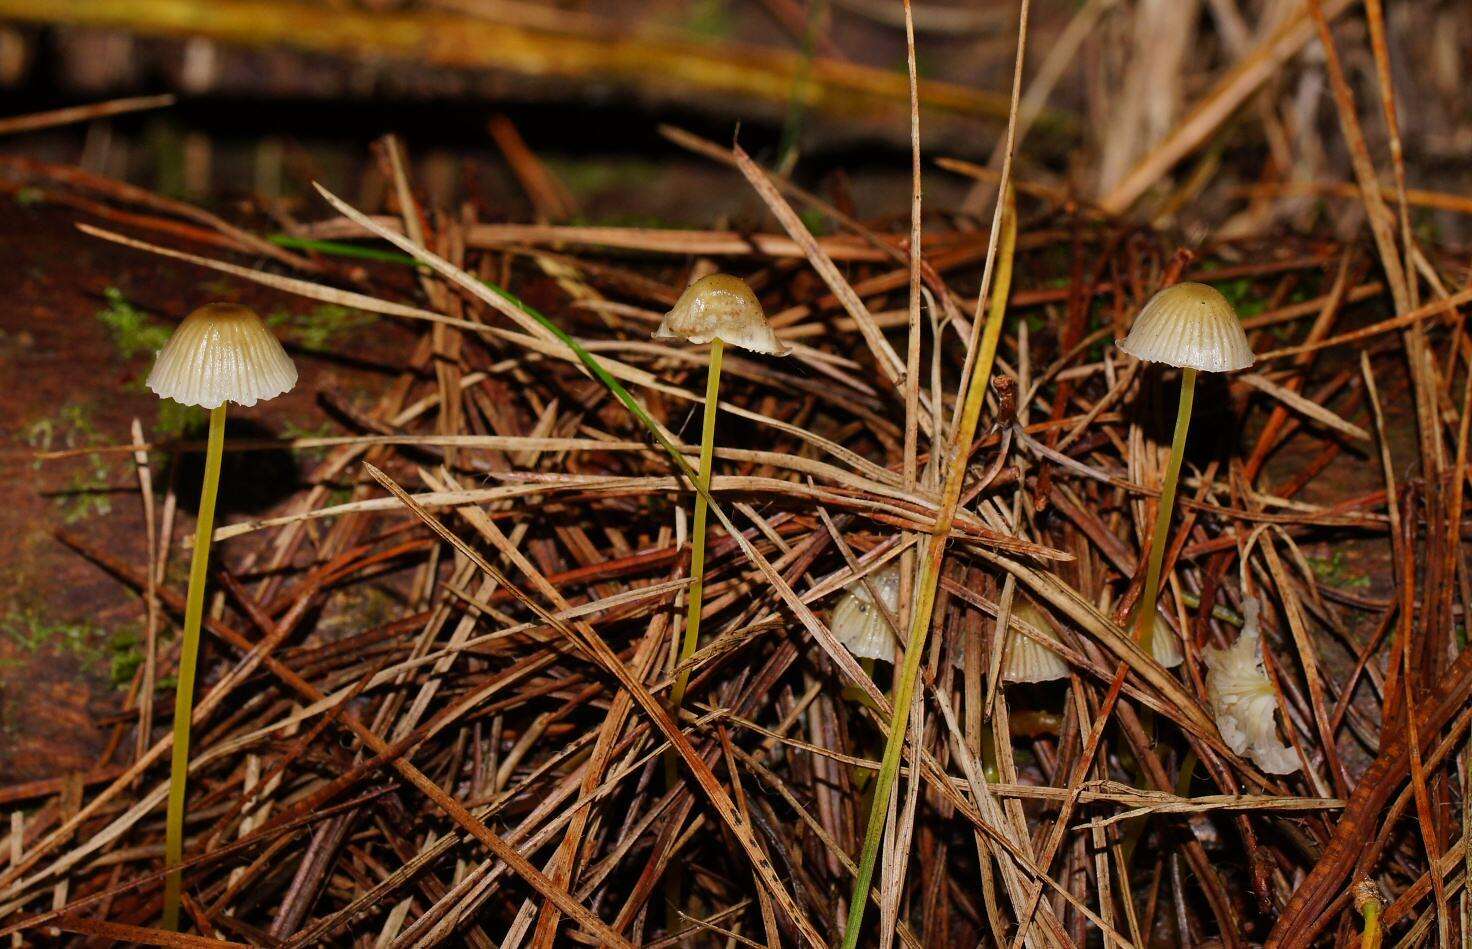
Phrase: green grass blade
(921,614)
(341,249)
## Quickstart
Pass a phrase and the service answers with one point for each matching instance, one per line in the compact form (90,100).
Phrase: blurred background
(272,93)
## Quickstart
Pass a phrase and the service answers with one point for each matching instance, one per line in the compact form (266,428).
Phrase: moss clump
(1240,294)
(120,652)
(86,494)
(321,326)
(1336,571)
(133,332)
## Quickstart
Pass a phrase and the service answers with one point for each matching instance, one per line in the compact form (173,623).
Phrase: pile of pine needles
(487,766)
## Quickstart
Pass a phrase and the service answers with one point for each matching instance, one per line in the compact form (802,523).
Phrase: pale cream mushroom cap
(1192,326)
(1242,699)
(1028,660)
(722,307)
(858,624)
(221,353)
(1165,645)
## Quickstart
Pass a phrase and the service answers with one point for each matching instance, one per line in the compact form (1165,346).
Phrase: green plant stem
(1370,935)
(1145,615)
(959,451)
(341,249)
(188,659)
(695,597)
(1145,611)
(697,528)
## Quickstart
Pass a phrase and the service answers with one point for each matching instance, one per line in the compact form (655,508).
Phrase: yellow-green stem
(697,585)
(1145,615)
(924,606)
(697,528)
(188,659)
(1370,935)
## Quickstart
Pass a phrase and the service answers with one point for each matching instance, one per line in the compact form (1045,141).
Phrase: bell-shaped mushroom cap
(1192,326)
(722,307)
(1028,660)
(1165,645)
(1242,700)
(860,625)
(221,353)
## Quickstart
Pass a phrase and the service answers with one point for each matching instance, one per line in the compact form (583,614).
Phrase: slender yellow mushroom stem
(1145,615)
(697,530)
(1367,901)
(697,584)
(922,611)
(188,658)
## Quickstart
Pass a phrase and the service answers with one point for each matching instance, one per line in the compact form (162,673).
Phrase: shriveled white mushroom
(1242,699)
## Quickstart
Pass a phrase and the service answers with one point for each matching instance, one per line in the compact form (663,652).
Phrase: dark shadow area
(1215,426)
(250,481)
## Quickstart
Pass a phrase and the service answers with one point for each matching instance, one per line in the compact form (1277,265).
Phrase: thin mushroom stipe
(716,309)
(221,353)
(1193,327)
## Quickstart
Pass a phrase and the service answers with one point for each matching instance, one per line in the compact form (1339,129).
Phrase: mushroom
(716,309)
(1165,645)
(220,353)
(859,624)
(1026,659)
(1242,697)
(1193,327)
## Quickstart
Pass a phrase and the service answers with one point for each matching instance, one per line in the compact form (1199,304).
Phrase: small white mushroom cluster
(860,625)
(1242,698)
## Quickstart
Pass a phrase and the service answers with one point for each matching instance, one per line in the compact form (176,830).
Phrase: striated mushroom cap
(221,353)
(1165,645)
(722,307)
(1192,326)
(856,621)
(1242,699)
(1028,660)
